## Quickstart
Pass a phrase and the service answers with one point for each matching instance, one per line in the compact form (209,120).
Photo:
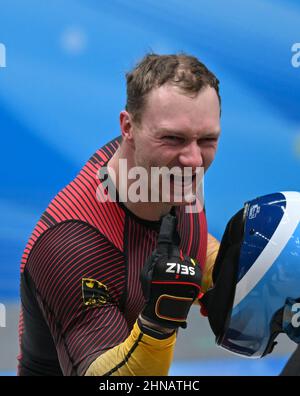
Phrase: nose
(191,156)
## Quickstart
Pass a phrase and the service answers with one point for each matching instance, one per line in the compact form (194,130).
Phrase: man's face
(177,130)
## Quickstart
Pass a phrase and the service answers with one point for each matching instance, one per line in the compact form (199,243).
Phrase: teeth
(183,180)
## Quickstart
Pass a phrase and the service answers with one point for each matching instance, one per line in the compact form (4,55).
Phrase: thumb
(166,234)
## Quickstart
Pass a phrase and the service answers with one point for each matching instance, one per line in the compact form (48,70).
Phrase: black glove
(170,281)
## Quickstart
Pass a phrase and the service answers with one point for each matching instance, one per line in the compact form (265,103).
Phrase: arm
(140,354)
(79,332)
(212,251)
(92,339)
(170,284)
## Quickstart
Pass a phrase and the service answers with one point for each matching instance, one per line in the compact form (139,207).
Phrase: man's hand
(170,281)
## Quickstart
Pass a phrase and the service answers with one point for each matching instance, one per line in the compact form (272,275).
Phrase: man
(84,309)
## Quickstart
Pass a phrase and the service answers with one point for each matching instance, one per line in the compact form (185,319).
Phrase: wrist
(154,326)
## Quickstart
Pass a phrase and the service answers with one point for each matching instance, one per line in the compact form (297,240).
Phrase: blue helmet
(256,293)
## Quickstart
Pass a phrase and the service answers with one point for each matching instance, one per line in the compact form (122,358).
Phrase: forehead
(168,107)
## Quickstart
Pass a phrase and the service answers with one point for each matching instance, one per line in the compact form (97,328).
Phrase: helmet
(257,276)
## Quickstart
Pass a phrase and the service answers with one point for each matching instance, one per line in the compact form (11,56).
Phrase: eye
(173,139)
(208,140)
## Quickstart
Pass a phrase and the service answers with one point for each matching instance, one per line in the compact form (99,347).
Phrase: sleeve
(140,354)
(212,251)
(79,280)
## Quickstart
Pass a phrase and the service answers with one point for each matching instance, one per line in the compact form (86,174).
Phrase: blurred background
(61,93)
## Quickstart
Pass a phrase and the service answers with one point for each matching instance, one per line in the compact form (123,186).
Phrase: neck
(151,211)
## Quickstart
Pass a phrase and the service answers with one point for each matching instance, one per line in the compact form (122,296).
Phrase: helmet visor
(268,272)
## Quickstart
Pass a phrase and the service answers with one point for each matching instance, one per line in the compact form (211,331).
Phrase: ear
(126,125)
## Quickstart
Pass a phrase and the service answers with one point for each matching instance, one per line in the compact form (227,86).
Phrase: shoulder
(67,254)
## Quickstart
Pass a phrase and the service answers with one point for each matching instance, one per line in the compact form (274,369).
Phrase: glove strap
(173,308)
(154,333)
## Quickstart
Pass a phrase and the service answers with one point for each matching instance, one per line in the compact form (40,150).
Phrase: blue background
(64,86)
